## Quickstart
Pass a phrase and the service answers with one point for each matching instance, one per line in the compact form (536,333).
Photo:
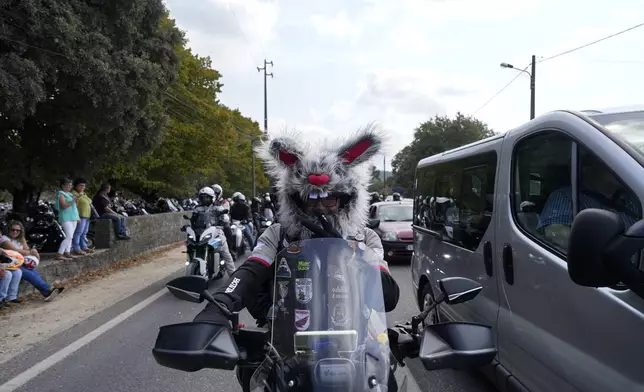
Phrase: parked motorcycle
(203,246)
(43,231)
(321,341)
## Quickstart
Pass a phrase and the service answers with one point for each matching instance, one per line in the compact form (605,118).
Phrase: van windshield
(628,125)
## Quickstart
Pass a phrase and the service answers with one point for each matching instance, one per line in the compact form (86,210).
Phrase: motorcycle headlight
(191,237)
(390,236)
(266,223)
(222,262)
(207,237)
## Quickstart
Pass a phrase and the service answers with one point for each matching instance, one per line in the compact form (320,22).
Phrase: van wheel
(427,299)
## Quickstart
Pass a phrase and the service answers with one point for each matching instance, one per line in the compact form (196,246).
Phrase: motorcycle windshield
(328,315)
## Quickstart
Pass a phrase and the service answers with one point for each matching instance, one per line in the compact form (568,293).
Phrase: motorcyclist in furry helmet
(311,180)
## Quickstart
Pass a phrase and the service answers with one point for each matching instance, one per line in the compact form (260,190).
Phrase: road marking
(31,373)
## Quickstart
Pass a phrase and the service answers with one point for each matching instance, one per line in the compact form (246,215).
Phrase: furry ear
(362,147)
(284,150)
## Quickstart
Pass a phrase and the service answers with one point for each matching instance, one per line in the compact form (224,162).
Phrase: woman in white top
(15,240)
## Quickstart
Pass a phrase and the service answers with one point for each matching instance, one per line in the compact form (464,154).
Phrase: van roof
(588,112)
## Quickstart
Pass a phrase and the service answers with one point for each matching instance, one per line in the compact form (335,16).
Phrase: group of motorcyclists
(224,211)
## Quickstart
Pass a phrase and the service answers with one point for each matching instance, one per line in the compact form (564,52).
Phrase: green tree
(204,143)
(433,137)
(375,173)
(82,85)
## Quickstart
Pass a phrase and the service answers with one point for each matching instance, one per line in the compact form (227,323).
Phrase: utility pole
(264,68)
(252,142)
(532,86)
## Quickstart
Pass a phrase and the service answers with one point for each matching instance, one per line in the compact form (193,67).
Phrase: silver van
(499,211)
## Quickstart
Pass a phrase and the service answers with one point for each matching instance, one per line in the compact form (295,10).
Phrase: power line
(500,91)
(592,43)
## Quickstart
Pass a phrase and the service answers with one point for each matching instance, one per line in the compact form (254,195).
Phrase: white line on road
(31,373)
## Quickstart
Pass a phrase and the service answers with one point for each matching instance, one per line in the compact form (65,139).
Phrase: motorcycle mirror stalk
(194,288)
(453,291)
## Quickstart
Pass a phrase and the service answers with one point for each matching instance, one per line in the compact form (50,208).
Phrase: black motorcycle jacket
(249,285)
(240,211)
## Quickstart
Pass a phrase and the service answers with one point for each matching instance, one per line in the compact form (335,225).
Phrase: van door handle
(487,257)
(508,264)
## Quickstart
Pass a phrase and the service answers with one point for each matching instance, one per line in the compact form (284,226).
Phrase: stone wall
(148,232)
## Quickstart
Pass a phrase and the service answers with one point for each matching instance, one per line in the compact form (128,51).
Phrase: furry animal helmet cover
(306,172)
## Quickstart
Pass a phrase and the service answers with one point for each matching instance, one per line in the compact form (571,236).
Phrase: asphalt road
(121,360)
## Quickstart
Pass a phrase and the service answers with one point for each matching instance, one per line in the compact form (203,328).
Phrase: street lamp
(532,84)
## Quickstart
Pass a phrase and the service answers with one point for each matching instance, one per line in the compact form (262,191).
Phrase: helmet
(236,195)
(218,190)
(31,262)
(396,196)
(331,179)
(206,196)
(241,198)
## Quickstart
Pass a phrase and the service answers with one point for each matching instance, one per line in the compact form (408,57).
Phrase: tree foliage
(109,90)
(433,137)
(82,84)
(204,143)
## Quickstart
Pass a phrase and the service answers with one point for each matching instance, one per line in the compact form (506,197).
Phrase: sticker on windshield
(283,292)
(302,319)
(304,290)
(337,275)
(303,265)
(340,292)
(294,248)
(270,315)
(283,271)
(340,316)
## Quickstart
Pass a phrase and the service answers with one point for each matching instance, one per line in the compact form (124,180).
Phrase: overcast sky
(342,64)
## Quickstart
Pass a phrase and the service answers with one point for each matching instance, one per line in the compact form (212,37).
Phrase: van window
(544,205)
(457,199)
(425,178)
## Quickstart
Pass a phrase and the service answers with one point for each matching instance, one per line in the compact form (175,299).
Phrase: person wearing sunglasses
(329,184)
(15,241)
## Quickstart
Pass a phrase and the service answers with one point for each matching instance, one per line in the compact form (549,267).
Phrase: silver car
(499,211)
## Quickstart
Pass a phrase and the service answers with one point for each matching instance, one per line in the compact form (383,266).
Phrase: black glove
(212,314)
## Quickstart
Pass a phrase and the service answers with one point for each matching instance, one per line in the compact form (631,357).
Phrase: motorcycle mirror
(458,290)
(183,228)
(373,223)
(457,346)
(186,217)
(189,288)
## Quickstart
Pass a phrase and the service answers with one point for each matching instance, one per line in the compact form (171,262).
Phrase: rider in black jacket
(330,182)
(240,210)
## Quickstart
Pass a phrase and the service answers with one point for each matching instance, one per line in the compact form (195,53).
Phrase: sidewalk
(35,320)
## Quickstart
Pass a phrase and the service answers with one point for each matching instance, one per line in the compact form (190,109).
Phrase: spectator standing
(67,216)
(84,204)
(15,241)
(102,203)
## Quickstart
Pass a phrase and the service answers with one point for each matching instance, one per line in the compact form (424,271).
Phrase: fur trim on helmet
(305,171)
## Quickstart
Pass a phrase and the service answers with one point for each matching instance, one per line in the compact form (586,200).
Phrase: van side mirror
(373,223)
(600,252)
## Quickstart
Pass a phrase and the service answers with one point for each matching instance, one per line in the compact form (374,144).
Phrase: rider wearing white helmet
(206,197)
(220,201)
